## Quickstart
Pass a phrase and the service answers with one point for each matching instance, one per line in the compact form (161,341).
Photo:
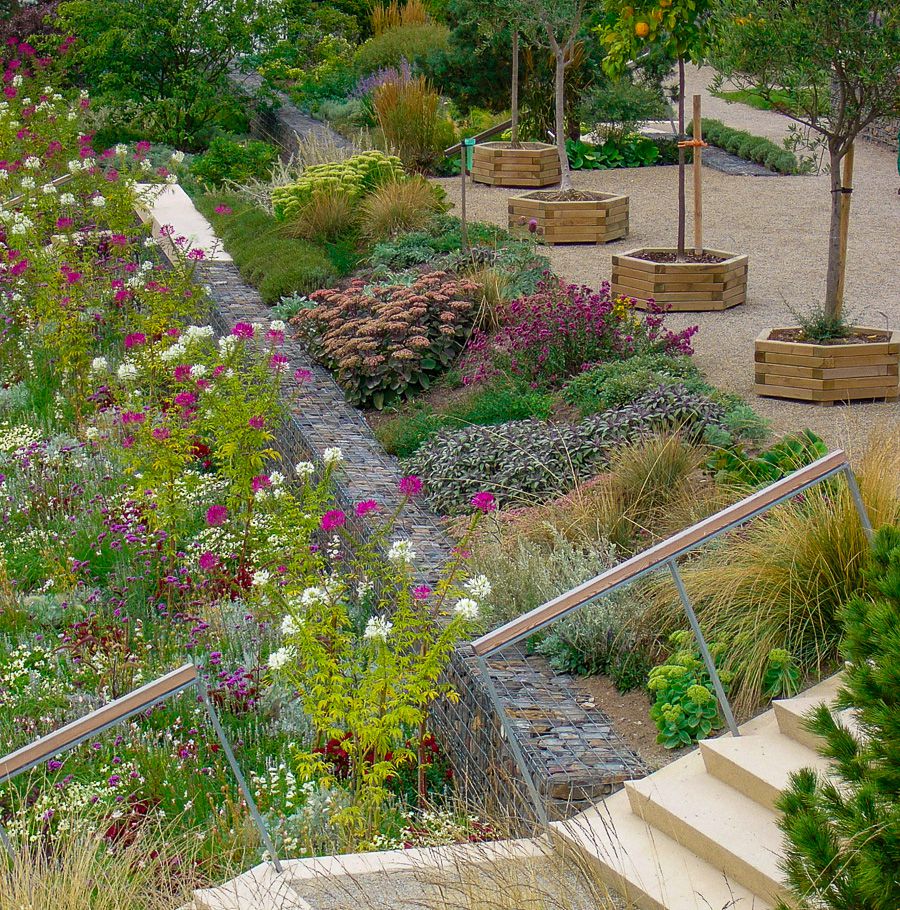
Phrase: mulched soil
(630,716)
(796,335)
(567,196)
(672,256)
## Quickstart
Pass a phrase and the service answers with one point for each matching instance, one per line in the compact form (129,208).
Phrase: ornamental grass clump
(387,343)
(398,207)
(779,582)
(562,329)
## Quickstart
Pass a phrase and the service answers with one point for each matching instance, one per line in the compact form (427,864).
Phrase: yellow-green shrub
(354,178)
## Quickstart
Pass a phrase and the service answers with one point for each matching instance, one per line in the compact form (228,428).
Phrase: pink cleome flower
(216,516)
(366,506)
(208,561)
(257,422)
(135,339)
(242,330)
(484,502)
(333,520)
(410,485)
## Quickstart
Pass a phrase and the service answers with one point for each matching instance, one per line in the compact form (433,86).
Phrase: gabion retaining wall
(573,752)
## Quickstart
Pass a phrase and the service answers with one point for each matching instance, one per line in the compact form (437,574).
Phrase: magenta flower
(279,363)
(182,372)
(260,482)
(185,399)
(127,442)
(421,592)
(363,508)
(208,561)
(216,515)
(161,434)
(135,339)
(242,330)
(223,210)
(410,485)
(484,502)
(63,223)
(302,375)
(333,520)
(196,254)
(257,423)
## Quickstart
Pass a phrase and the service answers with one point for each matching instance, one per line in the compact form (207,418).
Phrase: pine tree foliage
(843,835)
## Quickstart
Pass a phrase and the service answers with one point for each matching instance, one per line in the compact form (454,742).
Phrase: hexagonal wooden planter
(688,287)
(499,164)
(828,373)
(596,220)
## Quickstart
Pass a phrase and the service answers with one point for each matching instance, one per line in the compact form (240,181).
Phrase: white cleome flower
(277,325)
(127,371)
(177,157)
(479,587)
(401,552)
(276,478)
(198,371)
(332,456)
(378,628)
(467,608)
(260,578)
(312,596)
(281,658)
(289,625)
(98,202)
(32,163)
(91,433)
(67,199)
(99,365)
(304,469)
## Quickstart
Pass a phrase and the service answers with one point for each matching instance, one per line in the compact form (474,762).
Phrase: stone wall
(571,749)
(884,132)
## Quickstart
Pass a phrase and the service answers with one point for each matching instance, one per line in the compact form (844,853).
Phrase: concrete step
(758,765)
(262,888)
(708,817)
(792,714)
(649,868)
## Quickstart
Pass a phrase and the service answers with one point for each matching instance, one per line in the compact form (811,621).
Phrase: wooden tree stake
(847,190)
(698,179)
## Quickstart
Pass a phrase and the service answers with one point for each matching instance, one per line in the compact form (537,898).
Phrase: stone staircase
(702,832)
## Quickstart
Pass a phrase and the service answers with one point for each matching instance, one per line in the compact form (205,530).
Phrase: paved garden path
(782,222)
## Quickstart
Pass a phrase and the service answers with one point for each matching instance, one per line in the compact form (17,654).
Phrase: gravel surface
(782,223)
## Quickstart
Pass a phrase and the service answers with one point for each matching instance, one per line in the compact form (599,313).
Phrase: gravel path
(782,222)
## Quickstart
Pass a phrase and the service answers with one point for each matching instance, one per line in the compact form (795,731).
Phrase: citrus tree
(830,65)
(678,27)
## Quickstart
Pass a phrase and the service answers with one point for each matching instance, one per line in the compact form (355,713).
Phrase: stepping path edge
(572,751)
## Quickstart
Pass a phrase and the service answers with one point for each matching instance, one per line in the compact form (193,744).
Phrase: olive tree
(831,65)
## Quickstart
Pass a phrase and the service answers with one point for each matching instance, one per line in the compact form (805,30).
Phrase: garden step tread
(650,868)
(758,765)
(791,714)
(261,888)
(721,825)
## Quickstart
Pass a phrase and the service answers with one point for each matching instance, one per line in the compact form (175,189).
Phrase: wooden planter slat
(573,221)
(683,286)
(536,164)
(825,374)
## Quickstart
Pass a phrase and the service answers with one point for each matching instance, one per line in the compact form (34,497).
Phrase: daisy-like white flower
(304,469)
(127,371)
(467,608)
(260,578)
(479,587)
(281,658)
(289,625)
(401,552)
(99,365)
(378,629)
(332,456)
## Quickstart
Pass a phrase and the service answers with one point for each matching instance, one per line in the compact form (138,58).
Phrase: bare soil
(630,716)
(567,196)
(672,256)
(796,335)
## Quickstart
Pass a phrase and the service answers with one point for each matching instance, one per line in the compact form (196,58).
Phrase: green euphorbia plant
(681,29)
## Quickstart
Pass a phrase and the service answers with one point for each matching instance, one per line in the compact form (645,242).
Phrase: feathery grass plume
(386,16)
(328,215)
(397,207)
(780,581)
(411,121)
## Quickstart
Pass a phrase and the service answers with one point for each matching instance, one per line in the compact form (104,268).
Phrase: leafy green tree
(165,61)
(843,834)
(831,65)
(681,29)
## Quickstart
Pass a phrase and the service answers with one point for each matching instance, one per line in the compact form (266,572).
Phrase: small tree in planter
(809,56)
(834,67)
(513,163)
(705,279)
(565,216)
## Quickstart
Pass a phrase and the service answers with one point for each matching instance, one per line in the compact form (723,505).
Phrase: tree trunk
(514,101)
(565,182)
(846,197)
(681,168)
(834,273)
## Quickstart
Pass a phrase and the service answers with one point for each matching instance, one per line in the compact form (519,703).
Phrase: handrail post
(517,752)
(704,650)
(242,783)
(858,502)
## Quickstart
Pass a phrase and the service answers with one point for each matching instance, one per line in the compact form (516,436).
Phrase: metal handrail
(666,554)
(147,696)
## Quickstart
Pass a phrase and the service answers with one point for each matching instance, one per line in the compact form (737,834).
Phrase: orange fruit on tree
(657,15)
(642,29)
